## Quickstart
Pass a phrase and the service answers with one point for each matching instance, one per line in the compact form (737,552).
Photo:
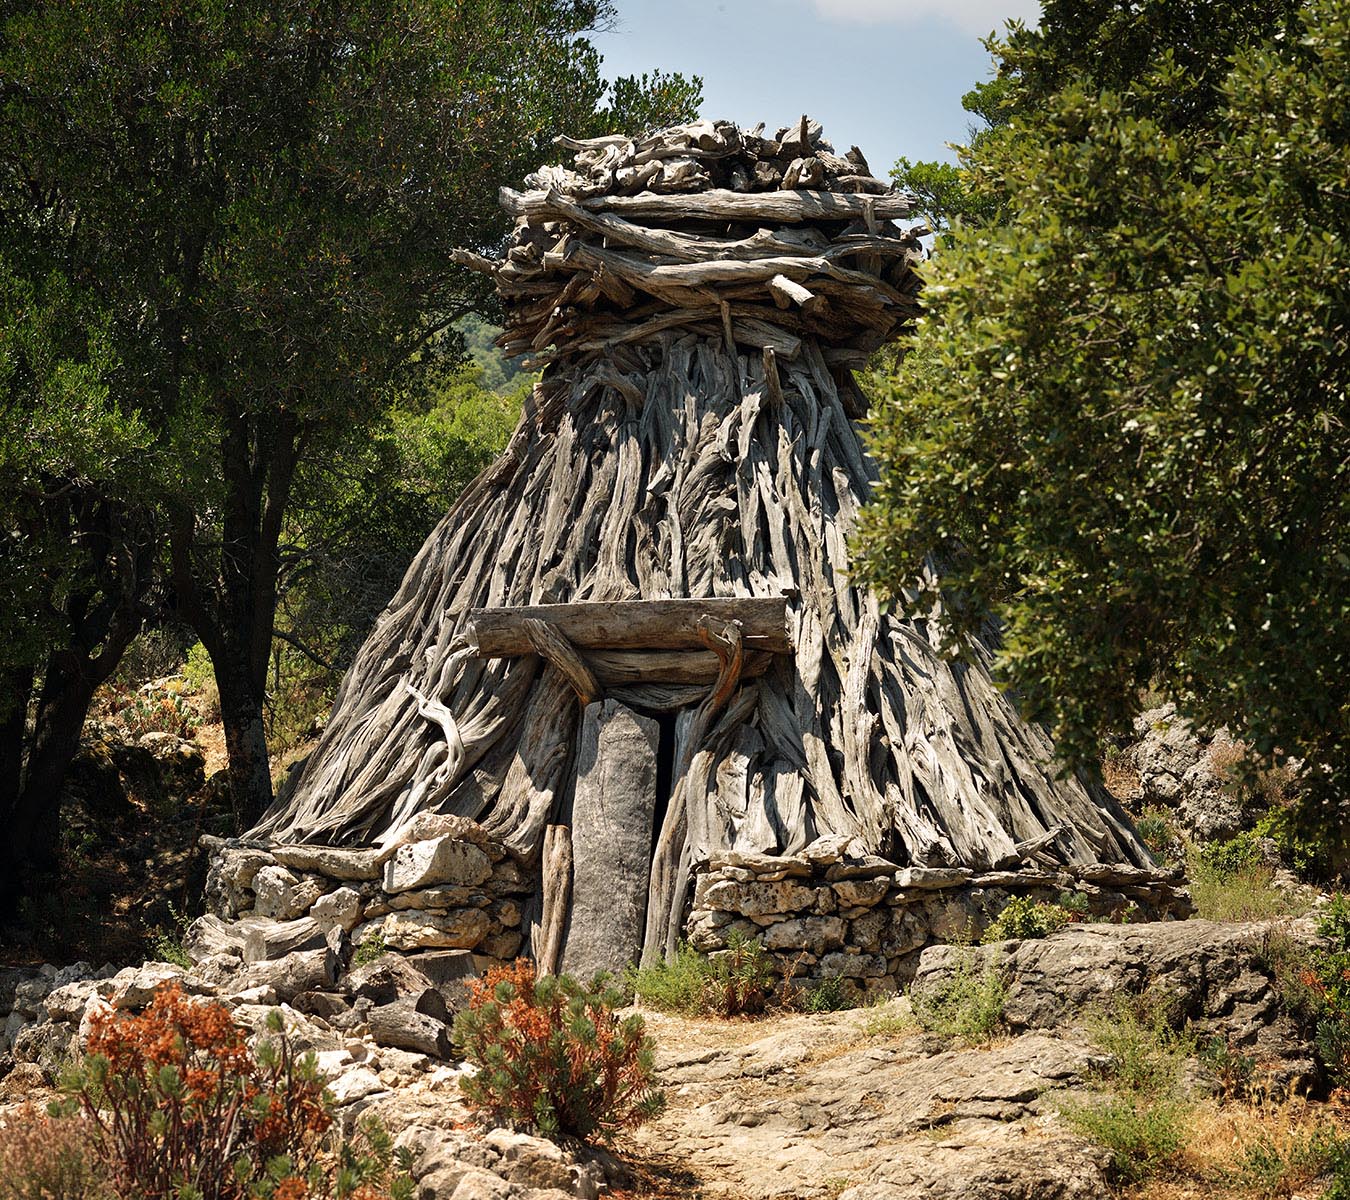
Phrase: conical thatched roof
(700,298)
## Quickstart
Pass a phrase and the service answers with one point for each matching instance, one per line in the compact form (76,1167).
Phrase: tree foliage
(259,204)
(1123,429)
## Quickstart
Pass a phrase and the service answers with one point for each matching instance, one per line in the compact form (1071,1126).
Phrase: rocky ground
(857,1105)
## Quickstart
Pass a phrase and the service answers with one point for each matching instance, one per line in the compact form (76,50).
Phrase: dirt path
(844,1105)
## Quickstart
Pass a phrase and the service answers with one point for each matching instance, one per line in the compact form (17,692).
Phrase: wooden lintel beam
(631,624)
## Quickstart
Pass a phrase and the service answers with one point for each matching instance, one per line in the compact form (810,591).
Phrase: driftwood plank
(788,207)
(630,624)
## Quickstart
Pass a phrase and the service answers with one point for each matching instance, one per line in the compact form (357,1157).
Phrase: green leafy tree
(944,189)
(361,511)
(265,197)
(1124,429)
(76,550)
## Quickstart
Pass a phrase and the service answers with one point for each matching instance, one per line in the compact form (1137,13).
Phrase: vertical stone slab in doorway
(613,809)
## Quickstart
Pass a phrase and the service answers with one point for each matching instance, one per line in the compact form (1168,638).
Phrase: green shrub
(1282,1167)
(1142,1136)
(1075,905)
(1159,833)
(889,1020)
(967,1006)
(551,1054)
(166,945)
(1306,854)
(675,986)
(369,949)
(200,677)
(1225,859)
(1147,1054)
(1022,918)
(1326,978)
(736,982)
(1231,1070)
(831,994)
(741,978)
(1229,882)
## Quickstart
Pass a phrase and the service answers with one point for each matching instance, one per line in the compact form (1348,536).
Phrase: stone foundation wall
(825,913)
(449,886)
(828,911)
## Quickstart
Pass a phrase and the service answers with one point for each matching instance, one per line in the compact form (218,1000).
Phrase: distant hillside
(500,374)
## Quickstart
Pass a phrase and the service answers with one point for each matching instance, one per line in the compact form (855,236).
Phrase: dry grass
(1222,1138)
(1121,781)
(1246,894)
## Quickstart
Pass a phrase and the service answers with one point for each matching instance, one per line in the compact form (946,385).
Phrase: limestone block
(426,826)
(866,932)
(340,909)
(439,860)
(706,938)
(852,966)
(932,877)
(768,867)
(506,913)
(860,866)
(816,934)
(510,878)
(440,897)
(275,889)
(754,899)
(502,945)
(333,862)
(830,848)
(456,929)
(135,987)
(861,893)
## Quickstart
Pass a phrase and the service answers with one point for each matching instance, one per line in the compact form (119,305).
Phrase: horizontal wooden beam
(631,624)
(789,207)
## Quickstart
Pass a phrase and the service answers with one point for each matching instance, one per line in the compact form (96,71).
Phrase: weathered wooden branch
(553,646)
(556,876)
(630,624)
(789,208)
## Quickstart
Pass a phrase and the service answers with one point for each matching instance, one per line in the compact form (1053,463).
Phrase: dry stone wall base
(451,888)
(833,912)
(830,911)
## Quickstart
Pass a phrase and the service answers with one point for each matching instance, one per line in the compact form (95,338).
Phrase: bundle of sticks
(711,228)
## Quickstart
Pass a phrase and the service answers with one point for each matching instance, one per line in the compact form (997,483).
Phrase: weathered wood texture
(546,936)
(690,438)
(629,624)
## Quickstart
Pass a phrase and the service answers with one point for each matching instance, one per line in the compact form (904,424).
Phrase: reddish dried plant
(179,1106)
(552,1054)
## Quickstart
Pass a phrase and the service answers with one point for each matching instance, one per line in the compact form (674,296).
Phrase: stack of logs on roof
(710,228)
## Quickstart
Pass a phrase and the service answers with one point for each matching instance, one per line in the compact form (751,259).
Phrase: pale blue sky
(885,75)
